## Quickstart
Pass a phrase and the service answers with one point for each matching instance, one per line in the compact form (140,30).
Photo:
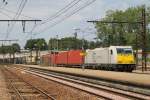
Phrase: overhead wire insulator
(5,2)
(35,22)
(8,24)
(23,26)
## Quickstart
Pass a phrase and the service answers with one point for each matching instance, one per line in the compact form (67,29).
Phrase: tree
(16,47)
(52,45)
(39,44)
(120,34)
(69,43)
(10,49)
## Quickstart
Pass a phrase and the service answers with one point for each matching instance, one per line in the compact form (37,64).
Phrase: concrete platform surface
(131,78)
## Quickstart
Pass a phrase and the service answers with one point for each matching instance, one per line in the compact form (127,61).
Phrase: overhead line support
(19,20)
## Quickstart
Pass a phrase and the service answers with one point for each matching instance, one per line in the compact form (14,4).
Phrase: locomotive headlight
(119,62)
(131,61)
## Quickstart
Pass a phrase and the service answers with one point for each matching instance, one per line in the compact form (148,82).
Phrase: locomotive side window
(111,52)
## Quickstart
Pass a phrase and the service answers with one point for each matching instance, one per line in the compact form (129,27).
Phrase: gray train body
(119,58)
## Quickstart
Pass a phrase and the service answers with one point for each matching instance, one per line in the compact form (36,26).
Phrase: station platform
(135,78)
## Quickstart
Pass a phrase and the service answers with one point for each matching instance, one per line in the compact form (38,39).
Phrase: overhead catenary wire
(13,12)
(86,35)
(31,31)
(6,15)
(21,6)
(4,3)
(14,18)
(20,9)
(59,13)
(67,16)
(62,35)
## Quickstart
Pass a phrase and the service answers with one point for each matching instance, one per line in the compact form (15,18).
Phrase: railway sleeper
(28,94)
(33,97)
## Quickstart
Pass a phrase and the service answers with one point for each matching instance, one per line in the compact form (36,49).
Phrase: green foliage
(39,44)
(121,34)
(69,43)
(16,47)
(10,49)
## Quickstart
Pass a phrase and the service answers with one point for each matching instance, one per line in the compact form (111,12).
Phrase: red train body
(53,58)
(72,57)
(62,58)
(75,57)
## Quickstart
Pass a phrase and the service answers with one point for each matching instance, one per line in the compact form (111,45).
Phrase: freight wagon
(69,58)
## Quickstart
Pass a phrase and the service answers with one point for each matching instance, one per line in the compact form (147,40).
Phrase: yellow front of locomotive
(125,56)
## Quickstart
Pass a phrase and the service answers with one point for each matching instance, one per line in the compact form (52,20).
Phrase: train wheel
(110,68)
(117,69)
(125,69)
(130,69)
(121,69)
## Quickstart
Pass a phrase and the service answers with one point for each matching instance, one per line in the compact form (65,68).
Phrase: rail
(115,91)
(18,93)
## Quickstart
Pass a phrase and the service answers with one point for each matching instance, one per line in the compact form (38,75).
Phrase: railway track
(98,90)
(22,90)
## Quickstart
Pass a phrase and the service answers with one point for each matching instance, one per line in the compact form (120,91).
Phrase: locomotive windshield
(124,50)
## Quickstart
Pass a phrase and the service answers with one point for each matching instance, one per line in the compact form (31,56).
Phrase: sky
(43,9)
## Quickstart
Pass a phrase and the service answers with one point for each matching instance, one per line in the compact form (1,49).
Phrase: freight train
(113,58)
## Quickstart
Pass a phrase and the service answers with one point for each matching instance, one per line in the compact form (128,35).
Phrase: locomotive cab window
(128,51)
(124,51)
(120,50)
